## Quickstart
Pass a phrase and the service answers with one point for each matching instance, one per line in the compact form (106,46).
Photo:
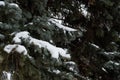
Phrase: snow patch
(14,4)
(58,24)
(115,63)
(2,3)
(70,62)
(96,46)
(58,21)
(109,53)
(54,51)
(15,47)
(51,41)
(56,71)
(104,69)
(70,65)
(66,10)
(84,11)
(21,35)
(6,75)
(31,23)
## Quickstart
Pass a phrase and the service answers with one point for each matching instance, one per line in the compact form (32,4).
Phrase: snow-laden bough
(54,51)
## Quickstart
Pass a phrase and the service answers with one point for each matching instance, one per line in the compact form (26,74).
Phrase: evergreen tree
(97,51)
(33,45)
(37,44)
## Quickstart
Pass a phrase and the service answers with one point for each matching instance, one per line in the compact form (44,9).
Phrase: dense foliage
(97,51)
(92,39)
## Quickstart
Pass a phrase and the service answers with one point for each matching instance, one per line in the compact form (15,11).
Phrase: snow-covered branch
(58,24)
(54,51)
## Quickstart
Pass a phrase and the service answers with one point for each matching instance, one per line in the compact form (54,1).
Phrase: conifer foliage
(59,40)
(33,44)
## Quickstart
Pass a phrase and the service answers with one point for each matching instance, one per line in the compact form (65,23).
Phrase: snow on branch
(84,11)
(58,24)
(6,75)
(70,65)
(15,48)
(2,3)
(13,4)
(94,45)
(54,51)
(20,35)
